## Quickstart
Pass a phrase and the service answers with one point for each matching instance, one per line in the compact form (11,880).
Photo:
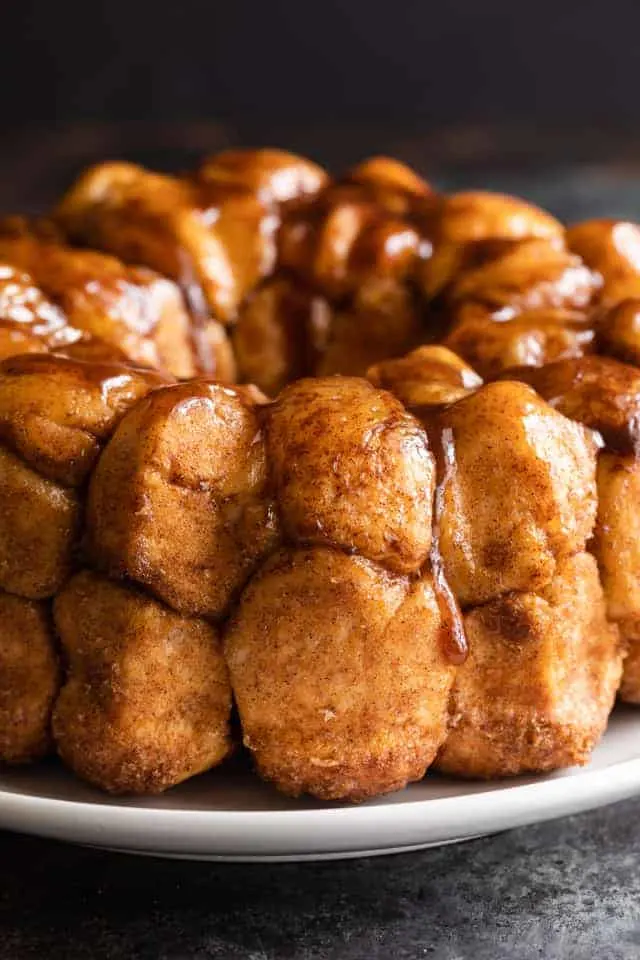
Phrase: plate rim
(382,825)
(355,810)
(284,835)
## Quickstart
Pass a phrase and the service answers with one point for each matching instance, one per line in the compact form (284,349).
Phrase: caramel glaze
(114,380)
(391,184)
(375,242)
(441,442)
(453,636)
(59,270)
(63,271)
(199,314)
(617,331)
(599,392)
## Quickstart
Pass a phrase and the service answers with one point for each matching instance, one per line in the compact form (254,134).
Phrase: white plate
(230,815)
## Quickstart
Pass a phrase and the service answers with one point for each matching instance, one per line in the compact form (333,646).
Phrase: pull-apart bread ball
(147,700)
(287,330)
(617,331)
(394,185)
(526,274)
(167,224)
(605,395)
(29,322)
(520,495)
(214,233)
(480,214)
(612,248)
(382,320)
(426,377)
(347,247)
(519,491)
(617,548)
(29,678)
(492,343)
(274,176)
(32,323)
(349,466)
(540,680)
(460,219)
(340,655)
(55,415)
(179,500)
(339,674)
(130,308)
(514,301)
(342,239)
(281,334)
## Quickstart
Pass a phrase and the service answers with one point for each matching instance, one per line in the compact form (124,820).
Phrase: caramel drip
(199,313)
(453,636)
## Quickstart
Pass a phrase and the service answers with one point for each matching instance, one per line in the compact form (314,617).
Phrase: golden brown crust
(540,680)
(470,217)
(612,248)
(179,500)
(130,308)
(616,546)
(57,412)
(383,320)
(522,494)
(629,691)
(281,334)
(275,176)
(429,376)
(361,480)
(492,344)
(617,331)
(526,274)
(339,675)
(27,316)
(39,527)
(55,415)
(286,331)
(393,185)
(605,395)
(147,701)
(29,679)
(616,541)
(342,239)
(213,232)
(163,222)
(599,392)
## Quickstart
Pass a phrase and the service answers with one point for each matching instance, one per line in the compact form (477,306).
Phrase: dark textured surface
(569,889)
(460,60)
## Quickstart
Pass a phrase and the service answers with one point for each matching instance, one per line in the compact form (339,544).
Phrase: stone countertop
(567,889)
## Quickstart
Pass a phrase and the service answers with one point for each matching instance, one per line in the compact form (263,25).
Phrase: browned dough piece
(537,688)
(339,675)
(29,679)
(147,701)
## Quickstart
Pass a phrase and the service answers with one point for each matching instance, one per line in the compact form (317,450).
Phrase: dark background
(453,62)
(538,98)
